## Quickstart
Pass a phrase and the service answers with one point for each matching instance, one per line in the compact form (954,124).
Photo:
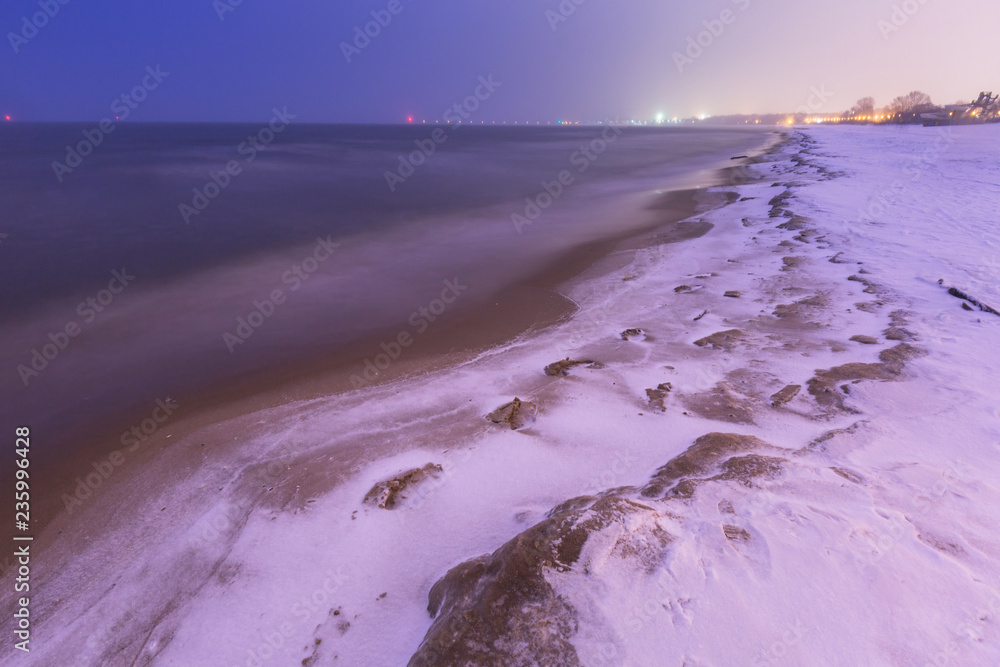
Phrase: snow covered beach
(721,516)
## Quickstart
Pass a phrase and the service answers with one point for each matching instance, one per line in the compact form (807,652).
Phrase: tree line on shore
(905,106)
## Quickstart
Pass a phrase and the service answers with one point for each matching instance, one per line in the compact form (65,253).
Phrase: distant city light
(6,117)
(660,117)
(409,119)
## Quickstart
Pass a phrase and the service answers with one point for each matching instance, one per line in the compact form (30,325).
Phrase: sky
(236,60)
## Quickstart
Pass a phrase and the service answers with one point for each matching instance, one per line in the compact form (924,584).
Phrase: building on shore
(986,109)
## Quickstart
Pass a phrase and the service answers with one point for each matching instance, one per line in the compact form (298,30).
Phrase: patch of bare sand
(515,415)
(706,453)
(561,368)
(391,493)
(722,340)
(824,385)
(722,403)
(803,311)
(658,397)
(785,395)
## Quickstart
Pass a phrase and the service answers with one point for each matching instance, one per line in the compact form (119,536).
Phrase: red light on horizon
(409,119)
(6,117)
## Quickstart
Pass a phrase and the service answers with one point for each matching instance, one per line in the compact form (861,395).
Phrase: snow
(893,561)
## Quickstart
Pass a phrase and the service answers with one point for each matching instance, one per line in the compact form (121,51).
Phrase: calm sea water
(76,344)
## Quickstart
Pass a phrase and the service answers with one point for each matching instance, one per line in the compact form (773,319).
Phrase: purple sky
(606,59)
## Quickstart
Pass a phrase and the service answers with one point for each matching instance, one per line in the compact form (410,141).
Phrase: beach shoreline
(235,437)
(520,310)
(786,409)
